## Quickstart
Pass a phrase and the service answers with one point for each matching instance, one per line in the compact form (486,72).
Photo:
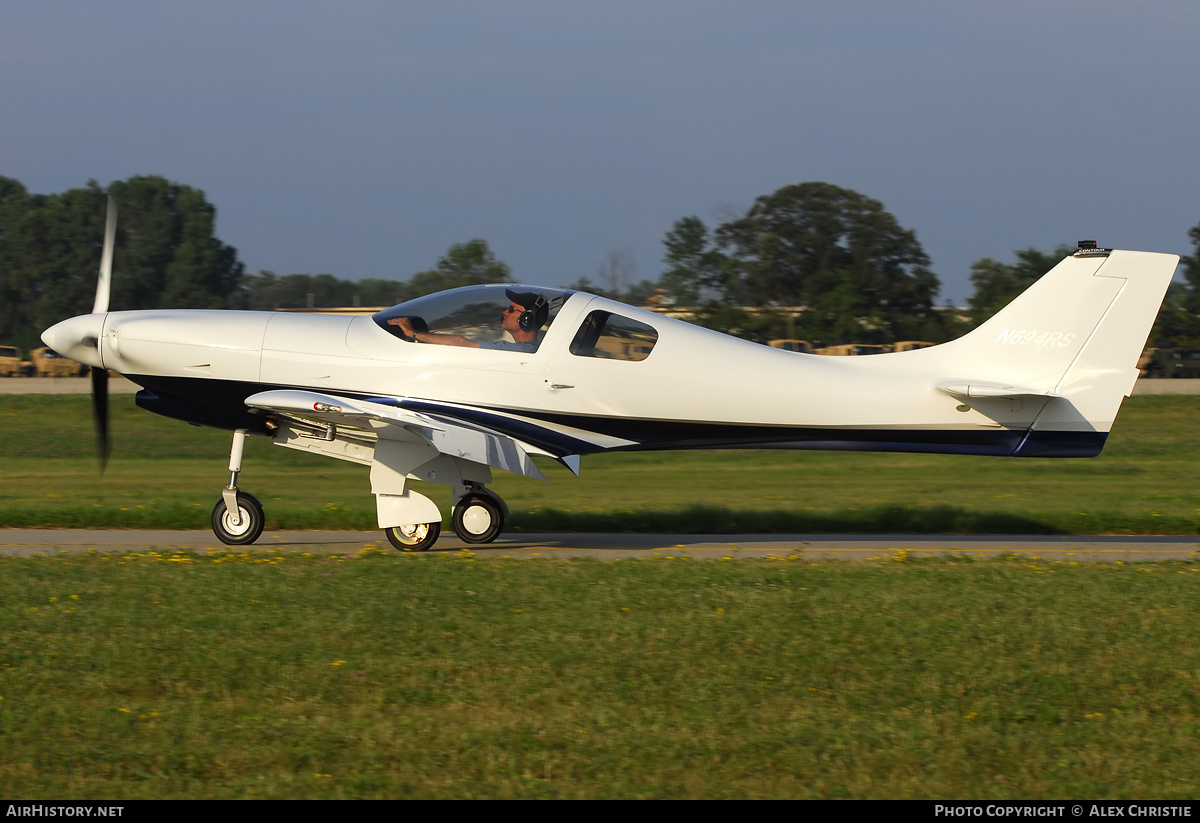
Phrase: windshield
(477,314)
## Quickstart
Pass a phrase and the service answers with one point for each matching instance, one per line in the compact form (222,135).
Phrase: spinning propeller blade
(106,257)
(100,413)
(100,375)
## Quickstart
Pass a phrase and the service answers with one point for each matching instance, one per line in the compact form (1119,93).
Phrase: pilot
(527,312)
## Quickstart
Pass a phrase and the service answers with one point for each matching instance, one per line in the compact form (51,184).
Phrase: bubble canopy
(473,312)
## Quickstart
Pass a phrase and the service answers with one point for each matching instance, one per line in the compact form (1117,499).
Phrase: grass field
(165,474)
(382,675)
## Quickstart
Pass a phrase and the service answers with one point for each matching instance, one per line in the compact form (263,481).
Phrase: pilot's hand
(405,325)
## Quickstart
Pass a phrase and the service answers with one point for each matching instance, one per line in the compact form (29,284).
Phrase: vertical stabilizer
(1074,336)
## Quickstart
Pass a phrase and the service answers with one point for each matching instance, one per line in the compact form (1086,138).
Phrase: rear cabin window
(613,337)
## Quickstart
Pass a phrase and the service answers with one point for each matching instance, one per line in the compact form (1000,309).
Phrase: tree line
(858,274)
(168,256)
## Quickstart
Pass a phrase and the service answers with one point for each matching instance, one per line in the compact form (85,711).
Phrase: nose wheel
(478,518)
(415,538)
(240,530)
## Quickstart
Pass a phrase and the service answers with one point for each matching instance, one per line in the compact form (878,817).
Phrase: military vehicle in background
(802,346)
(11,364)
(1179,363)
(46,362)
(853,349)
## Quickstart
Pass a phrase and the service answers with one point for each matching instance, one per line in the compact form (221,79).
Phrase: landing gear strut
(237,519)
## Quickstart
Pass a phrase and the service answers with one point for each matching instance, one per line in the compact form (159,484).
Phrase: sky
(363,139)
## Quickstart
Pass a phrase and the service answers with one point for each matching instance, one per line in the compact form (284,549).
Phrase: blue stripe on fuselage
(221,403)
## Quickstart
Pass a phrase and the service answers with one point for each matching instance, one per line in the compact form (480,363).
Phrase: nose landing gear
(237,519)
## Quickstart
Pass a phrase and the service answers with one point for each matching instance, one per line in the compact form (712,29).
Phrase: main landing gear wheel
(251,514)
(477,519)
(415,538)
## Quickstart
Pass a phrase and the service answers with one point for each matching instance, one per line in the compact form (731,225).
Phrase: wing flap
(462,440)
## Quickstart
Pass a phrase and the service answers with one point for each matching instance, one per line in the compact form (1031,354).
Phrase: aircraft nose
(77,338)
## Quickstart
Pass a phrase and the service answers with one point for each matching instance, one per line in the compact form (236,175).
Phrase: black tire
(416,538)
(478,519)
(251,527)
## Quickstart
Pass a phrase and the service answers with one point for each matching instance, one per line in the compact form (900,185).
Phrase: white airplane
(447,387)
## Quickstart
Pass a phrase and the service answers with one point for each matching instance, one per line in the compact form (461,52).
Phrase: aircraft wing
(455,438)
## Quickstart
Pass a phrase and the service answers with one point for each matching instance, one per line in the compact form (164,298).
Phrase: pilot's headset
(535,316)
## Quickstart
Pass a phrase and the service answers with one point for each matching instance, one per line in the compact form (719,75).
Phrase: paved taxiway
(614,546)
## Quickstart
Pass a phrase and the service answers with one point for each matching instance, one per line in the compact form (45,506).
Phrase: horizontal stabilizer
(978,388)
